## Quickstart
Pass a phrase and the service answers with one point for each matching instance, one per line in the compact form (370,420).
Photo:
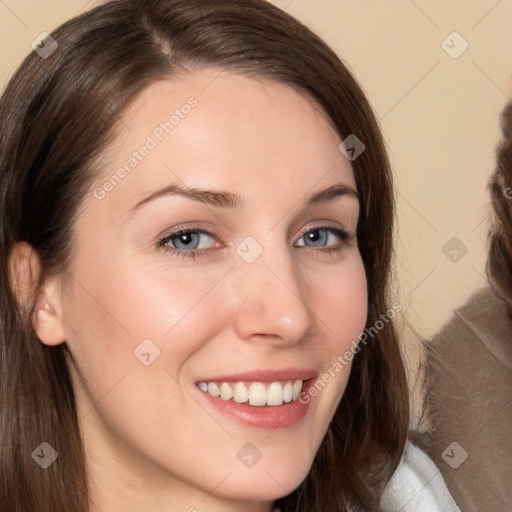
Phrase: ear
(24,274)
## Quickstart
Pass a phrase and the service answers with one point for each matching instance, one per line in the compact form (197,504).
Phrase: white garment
(417,486)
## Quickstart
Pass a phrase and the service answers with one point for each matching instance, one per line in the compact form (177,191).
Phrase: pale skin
(152,441)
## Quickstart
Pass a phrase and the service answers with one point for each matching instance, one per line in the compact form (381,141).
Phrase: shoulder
(417,485)
(484,323)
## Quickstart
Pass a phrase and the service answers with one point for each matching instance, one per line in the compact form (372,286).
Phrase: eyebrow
(225,199)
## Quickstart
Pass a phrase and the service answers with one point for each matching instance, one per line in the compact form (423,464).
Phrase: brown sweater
(469,394)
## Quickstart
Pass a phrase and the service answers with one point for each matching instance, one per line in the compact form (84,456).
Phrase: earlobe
(25,275)
(47,319)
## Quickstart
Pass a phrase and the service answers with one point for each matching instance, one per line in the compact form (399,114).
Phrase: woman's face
(274,293)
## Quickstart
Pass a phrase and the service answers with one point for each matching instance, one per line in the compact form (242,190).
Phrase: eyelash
(345,236)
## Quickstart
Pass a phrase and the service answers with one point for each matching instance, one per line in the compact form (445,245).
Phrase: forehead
(217,128)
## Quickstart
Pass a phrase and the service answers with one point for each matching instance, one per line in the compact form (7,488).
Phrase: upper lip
(264,376)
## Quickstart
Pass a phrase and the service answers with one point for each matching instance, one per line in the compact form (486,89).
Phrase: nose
(272,300)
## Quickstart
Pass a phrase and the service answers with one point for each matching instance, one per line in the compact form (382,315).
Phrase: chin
(267,483)
(264,489)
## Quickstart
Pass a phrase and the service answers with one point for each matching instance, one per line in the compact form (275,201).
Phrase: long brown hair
(58,114)
(499,260)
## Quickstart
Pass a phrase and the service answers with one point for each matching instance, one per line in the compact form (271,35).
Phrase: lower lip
(268,417)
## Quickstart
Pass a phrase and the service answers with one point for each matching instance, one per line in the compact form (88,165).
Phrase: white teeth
(226,393)
(256,393)
(288,392)
(275,393)
(297,387)
(240,393)
(213,389)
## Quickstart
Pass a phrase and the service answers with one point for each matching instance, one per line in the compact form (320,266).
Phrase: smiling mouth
(257,394)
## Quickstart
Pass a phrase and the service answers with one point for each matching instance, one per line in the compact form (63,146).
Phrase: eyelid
(344,235)
(324,225)
(178,230)
(213,232)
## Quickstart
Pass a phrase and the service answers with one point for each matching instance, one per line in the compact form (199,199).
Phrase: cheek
(341,307)
(117,318)
(340,300)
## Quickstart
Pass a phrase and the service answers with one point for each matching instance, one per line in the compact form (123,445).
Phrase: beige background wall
(439,115)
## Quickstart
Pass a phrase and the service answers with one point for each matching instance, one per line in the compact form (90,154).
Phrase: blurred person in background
(469,369)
